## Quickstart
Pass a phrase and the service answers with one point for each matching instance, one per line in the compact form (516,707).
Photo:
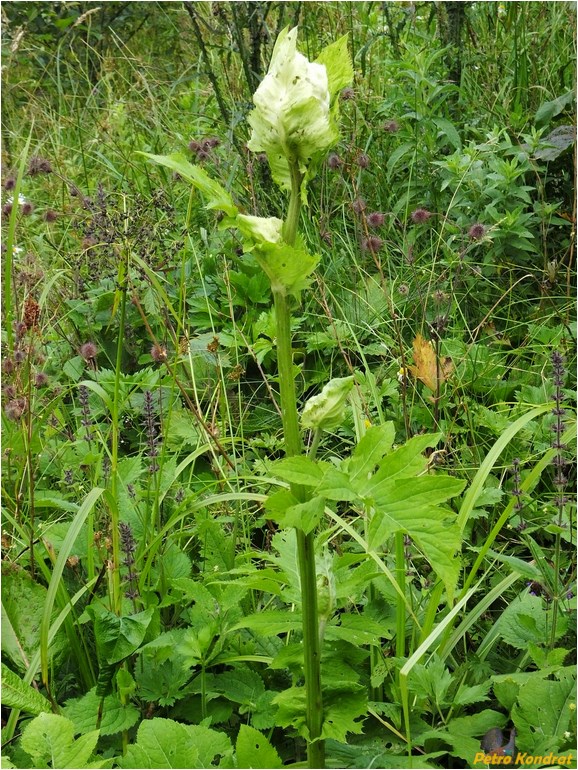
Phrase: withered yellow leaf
(427,367)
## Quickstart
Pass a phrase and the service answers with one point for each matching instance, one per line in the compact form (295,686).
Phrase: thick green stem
(305,543)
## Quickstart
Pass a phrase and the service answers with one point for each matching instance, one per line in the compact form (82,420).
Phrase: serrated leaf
(16,694)
(544,712)
(305,516)
(336,485)
(427,367)
(376,443)
(254,750)
(405,461)
(240,685)
(287,267)
(271,622)
(162,743)
(116,716)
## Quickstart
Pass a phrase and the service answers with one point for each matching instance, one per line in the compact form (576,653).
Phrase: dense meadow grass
(168,539)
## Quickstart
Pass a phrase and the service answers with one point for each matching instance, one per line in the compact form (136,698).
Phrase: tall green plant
(294,124)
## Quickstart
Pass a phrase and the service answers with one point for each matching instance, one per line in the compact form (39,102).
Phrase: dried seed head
(391,126)
(359,206)
(347,94)
(158,353)
(363,160)
(39,165)
(372,244)
(334,161)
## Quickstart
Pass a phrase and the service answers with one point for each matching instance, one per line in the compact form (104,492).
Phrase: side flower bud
(326,411)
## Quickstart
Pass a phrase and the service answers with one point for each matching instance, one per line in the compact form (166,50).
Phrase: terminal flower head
(296,106)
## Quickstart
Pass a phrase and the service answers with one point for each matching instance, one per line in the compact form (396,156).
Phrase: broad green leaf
(17,694)
(22,609)
(336,485)
(240,685)
(255,751)
(163,743)
(217,196)
(300,470)
(410,506)
(405,461)
(116,716)
(356,629)
(305,516)
(397,496)
(50,738)
(288,268)
(342,711)
(524,620)
(371,449)
(545,711)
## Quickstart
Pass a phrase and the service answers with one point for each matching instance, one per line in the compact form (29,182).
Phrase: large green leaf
(49,739)
(254,750)
(116,716)
(17,694)
(369,452)
(300,470)
(163,743)
(545,714)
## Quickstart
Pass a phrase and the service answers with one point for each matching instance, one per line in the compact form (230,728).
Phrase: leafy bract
(217,197)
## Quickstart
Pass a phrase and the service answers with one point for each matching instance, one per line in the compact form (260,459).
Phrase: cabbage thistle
(296,107)
(326,411)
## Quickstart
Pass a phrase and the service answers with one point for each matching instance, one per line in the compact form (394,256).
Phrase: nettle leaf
(116,716)
(545,711)
(217,196)
(341,710)
(49,739)
(254,750)
(163,743)
(271,622)
(16,694)
(240,685)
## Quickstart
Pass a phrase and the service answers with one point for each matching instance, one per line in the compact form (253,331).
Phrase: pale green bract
(326,410)
(296,108)
(260,229)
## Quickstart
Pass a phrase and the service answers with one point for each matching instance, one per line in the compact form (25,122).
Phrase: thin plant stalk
(115,432)
(305,542)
